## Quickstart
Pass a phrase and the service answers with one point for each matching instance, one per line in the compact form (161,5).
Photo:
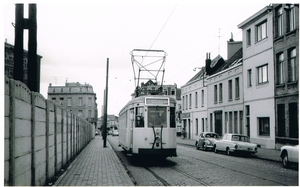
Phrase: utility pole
(105,105)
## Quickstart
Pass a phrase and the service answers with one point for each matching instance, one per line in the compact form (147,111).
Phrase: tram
(147,126)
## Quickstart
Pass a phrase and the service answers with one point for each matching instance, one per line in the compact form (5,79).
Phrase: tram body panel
(144,141)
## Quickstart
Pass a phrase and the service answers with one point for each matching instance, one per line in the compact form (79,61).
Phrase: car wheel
(204,147)
(228,151)
(285,160)
(215,149)
(196,144)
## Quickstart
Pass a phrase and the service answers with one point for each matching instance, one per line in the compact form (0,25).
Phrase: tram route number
(157,101)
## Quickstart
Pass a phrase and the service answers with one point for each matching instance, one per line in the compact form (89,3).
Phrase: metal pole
(105,105)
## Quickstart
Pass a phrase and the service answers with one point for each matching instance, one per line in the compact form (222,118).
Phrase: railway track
(157,171)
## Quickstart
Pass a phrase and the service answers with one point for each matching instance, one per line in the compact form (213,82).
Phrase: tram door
(132,121)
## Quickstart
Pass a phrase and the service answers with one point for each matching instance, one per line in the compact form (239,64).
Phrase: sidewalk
(95,166)
(266,154)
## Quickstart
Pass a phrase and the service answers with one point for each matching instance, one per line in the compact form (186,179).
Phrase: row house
(258,77)
(194,105)
(286,56)
(225,98)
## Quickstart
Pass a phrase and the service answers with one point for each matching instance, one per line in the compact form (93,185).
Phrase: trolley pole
(105,105)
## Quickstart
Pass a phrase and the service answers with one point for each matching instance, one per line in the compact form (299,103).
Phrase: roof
(234,59)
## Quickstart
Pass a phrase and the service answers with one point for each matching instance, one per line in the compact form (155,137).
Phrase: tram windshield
(157,116)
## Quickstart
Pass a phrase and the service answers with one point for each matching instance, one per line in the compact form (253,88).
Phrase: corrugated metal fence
(41,138)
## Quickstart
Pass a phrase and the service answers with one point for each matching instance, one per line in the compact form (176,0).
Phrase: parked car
(206,140)
(234,143)
(115,132)
(289,154)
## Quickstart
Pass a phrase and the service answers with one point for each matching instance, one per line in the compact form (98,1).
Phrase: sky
(76,38)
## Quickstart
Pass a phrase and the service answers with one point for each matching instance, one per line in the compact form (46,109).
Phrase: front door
(218,122)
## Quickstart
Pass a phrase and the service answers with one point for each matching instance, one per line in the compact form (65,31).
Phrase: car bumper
(247,151)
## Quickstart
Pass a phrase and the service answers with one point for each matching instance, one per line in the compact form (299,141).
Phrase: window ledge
(280,85)
(292,83)
(262,83)
(291,32)
(278,38)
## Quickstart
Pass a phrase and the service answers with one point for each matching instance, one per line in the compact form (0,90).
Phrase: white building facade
(225,101)
(194,105)
(258,77)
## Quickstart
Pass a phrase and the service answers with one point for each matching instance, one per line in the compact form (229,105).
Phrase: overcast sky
(76,38)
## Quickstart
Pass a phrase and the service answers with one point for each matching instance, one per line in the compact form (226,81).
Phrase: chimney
(207,64)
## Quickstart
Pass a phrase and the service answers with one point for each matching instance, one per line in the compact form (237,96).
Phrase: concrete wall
(40,138)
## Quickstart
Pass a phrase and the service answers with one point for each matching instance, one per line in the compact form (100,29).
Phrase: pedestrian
(183,133)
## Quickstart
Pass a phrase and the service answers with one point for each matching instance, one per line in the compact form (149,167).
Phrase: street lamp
(203,72)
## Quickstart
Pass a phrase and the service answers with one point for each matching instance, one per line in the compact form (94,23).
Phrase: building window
(216,93)
(291,17)
(202,98)
(248,39)
(279,22)
(69,101)
(197,126)
(220,92)
(230,90)
(196,99)
(61,101)
(61,90)
(79,113)
(89,114)
(183,102)
(190,101)
(90,101)
(292,65)
(262,74)
(264,126)
(261,31)
(281,120)
(80,101)
(249,77)
(280,69)
(237,88)
(186,99)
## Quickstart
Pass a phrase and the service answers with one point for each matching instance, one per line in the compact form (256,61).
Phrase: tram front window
(157,116)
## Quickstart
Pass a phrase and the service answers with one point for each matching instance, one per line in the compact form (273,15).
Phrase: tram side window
(172,117)
(139,117)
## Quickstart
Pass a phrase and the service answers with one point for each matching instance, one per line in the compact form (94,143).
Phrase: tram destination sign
(157,101)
